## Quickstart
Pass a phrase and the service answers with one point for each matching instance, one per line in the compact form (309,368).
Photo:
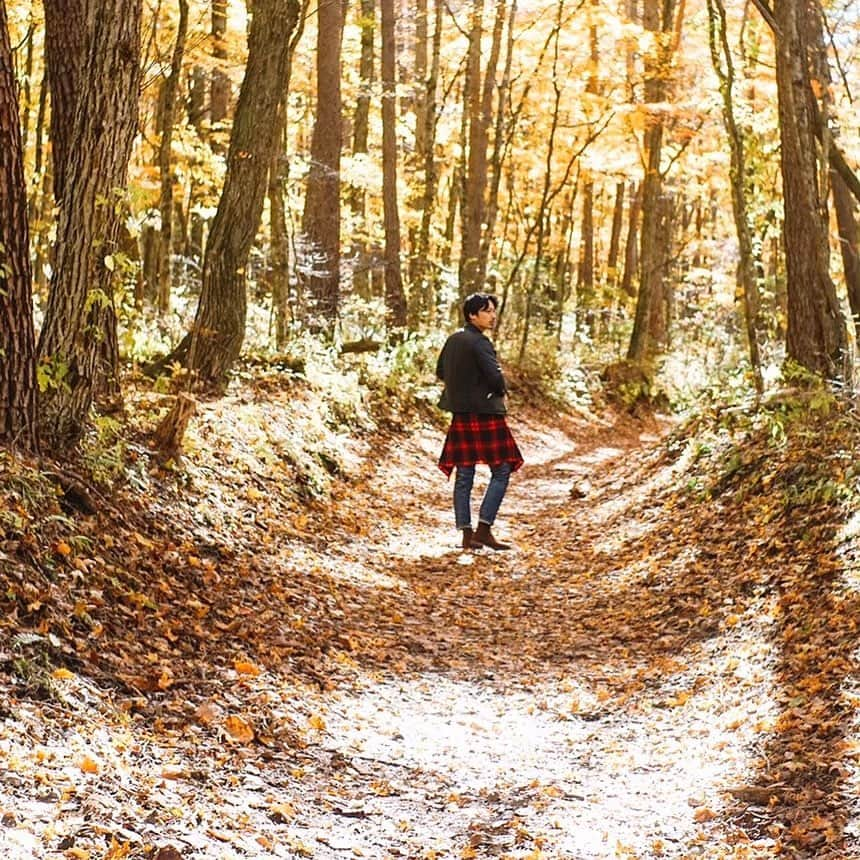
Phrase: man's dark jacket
(472,375)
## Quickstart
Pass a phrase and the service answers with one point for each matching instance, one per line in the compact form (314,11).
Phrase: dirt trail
(531,703)
(594,693)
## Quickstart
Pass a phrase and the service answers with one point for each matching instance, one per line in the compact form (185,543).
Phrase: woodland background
(651,188)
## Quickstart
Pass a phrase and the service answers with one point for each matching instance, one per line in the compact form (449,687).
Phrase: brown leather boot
(484,537)
(467,538)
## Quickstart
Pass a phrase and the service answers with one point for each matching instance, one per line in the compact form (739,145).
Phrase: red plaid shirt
(475,439)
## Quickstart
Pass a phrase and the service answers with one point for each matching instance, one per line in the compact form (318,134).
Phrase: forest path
(663,667)
(553,701)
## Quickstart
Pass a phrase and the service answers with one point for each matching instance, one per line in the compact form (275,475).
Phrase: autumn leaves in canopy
(635,179)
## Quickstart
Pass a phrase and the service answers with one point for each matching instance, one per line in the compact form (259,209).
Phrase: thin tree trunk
(420,91)
(319,260)
(395,299)
(18,420)
(500,145)
(849,245)
(631,246)
(216,338)
(748,265)
(165,203)
(219,88)
(68,25)
(615,237)
(361,128)
(78,338)
(420,259)
(479,102)
(650,324)
(815,337)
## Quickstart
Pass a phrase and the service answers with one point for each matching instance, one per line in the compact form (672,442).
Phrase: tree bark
(165,203)
(68,26)
(78,337)
(815,336)
(319,251)
(849,245)
(419,264)
(631,246)
(650,325)
(615,236)
(500,146)
(361,129)
(216,338)
(395,299)
(18,403)
(219,87)
(478,101)
(748,264)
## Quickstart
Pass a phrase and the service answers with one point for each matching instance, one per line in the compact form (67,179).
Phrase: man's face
(485,319)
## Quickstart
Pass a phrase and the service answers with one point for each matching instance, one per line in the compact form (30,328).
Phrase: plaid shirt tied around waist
(474,438)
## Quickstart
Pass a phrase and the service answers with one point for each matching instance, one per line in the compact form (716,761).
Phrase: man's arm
(488,362)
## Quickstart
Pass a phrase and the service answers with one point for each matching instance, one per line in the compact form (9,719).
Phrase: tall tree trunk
(219,88)
(420,259)
(615,236)
(165,203)
(68,25)
(361,128)
(27,88)
(279,262)
(585,272)
(749,266)
(283,310)
(478,102)
(395,299)
(650,324)
(219,327)
(420,83)
(17,338)
(500,145)
(816,335)
(631,246)
(78,337)
(319,261)
(849,244)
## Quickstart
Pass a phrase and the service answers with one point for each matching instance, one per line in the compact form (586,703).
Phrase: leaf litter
(663,667)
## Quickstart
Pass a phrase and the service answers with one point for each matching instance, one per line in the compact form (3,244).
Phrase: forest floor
(664,665)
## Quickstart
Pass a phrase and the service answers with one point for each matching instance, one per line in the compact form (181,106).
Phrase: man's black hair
(478,302)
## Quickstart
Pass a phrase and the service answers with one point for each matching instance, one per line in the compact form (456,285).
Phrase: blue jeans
(463,480)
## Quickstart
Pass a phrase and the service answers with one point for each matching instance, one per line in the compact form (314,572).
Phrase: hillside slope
(277,649)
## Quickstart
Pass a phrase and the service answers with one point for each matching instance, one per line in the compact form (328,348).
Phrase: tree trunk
(17,338)
(478,102)
(631,246)
(849,245)
(78,337)
(815,337)
(395,299)
(219,327)
(500,145)
(419,263)
(319,261)
(748,265)
(585,273)
(219,88)
(420,80)
(361,128)
(68,25)
(165,203)
(650,323)
(615,237)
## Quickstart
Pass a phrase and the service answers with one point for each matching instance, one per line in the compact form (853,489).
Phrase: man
(475,392)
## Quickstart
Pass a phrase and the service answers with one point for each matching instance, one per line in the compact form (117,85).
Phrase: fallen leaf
(239,729)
